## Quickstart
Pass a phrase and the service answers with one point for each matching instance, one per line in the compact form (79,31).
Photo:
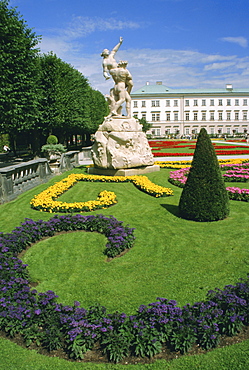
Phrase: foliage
(19,92)
(146,125)
(68,104)
(204,196)
(53,148)
(52,139)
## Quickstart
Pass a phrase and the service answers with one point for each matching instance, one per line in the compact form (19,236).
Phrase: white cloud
(82,26)
(241,41)
(175,68)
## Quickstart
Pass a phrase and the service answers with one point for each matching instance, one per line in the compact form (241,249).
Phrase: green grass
(171,258)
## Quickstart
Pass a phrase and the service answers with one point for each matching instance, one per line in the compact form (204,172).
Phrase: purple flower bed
(40,319)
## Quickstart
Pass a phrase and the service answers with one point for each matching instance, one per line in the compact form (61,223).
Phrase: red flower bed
(158,154)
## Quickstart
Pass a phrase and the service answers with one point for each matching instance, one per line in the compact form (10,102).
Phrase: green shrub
(53,148)
(204,197)
(52,139)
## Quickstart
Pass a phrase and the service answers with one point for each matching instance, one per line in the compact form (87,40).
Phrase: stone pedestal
(121,144)
(124,171)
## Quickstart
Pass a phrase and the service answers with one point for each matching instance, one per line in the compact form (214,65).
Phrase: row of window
(195,116)
(196,102)
(188,131)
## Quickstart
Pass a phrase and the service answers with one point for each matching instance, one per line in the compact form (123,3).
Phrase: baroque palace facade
(184,112)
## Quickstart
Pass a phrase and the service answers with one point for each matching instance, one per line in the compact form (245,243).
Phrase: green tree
(68,105)
(18,81)
(204,196)
(146,125)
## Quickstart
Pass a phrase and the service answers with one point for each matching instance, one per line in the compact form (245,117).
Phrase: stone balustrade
(69,160)
(18,178)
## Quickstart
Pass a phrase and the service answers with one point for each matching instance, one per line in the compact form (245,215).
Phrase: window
(186,103)
(153,103)
(211,116)
(220,116)
(144,115)
(143,103)
(203,116)
(135,114)
(212,130)
(175,116)
(167,103)
(237,102)
(187,116)
(155,117)
(212,102)
(157,103)
(156,132)
(244,115)
(187,131)
(229,102)
(228,130)
(203,102)
(175,103)
(236,116)
(135,104)
(244,101)
(195,102)
(228,116)
(167,116)
(195,116)
(220,102)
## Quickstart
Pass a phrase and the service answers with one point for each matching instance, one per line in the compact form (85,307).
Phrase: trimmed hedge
(204,196)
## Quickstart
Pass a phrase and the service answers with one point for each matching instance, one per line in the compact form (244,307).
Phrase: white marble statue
(120,142)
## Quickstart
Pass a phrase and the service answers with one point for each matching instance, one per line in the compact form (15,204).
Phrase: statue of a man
(121,91)
(122,79)
(109,61)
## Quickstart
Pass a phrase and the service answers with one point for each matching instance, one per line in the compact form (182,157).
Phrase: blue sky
(183,43)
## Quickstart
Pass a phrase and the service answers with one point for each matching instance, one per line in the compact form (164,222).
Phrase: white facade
(185,112)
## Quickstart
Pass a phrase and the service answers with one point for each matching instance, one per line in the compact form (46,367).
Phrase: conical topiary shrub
(204,196)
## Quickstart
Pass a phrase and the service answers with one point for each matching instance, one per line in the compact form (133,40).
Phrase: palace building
(185,111)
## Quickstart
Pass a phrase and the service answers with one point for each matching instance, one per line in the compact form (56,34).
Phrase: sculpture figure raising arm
(109,61)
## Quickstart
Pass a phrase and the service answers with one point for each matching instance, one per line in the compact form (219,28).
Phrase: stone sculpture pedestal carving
(121,148)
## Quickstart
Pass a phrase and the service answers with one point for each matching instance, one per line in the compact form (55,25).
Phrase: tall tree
(204,196)
(68,104)
(18,80)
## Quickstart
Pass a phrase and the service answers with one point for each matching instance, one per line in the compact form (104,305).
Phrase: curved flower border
(37,317)
(46,200)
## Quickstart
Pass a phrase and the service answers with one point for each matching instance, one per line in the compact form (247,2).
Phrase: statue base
(120,143)
(123,171)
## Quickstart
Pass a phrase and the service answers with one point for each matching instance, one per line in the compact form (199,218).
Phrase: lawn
(171,258)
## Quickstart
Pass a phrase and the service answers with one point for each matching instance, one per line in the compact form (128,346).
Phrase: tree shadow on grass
(174,210)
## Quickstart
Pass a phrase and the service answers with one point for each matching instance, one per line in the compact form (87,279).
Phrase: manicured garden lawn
(171,258)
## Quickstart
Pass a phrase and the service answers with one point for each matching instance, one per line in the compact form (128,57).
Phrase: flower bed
(224,163)
(38,318)
(46,200)
(158,146)
(179,178)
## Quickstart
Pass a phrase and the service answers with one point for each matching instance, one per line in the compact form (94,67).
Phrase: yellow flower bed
(46,200)
(184,164)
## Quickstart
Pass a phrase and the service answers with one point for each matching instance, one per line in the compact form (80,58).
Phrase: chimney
(147,83)
(229,87)
(159,83)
